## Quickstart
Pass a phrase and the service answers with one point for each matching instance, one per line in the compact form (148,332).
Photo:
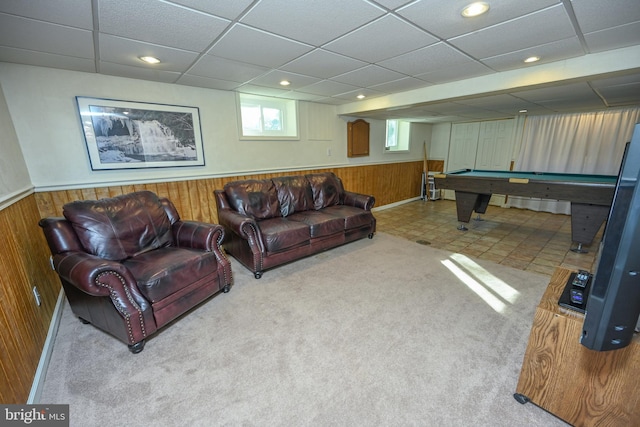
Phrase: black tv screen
(613,304)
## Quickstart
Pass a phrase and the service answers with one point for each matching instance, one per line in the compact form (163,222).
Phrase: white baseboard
(393,205)
(41,371)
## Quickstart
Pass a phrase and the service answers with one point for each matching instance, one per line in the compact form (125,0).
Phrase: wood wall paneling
(388,183)
(24,263)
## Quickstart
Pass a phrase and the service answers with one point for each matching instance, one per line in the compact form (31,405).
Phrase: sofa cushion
(327,189)
(255,198)
(352,217)
(165,271)
(279,234)
(120,227)
(294,194)
(320,224)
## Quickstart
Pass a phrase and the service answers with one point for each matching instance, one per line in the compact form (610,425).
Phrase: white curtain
(582,143)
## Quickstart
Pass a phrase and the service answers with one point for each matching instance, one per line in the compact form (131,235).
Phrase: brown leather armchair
(129,265)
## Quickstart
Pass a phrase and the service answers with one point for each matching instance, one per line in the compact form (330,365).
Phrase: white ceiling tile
(368,76)
(420,61)
(38,36)
(555,93)
(594,15)
(225,9)
(41,59)
(327,88)
(532,109)
(493,100)
(503,102)
(198,81)
(615,81)
(622,90)
(352,95)
(550,52)
(574,105)
(385,38)
(301,96)
(225,69)
(273,79)
(400,85)
(536,29)
(259,47)
(261,90)
(128,52)
(443,18)
(74,13)
(323,64)
(613,38)
(626,94)
(300,20)
(138,73)
(467,70)
(394,4)
(148,21)
(332,101)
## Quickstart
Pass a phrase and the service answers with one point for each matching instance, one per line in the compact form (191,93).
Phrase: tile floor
(520,238)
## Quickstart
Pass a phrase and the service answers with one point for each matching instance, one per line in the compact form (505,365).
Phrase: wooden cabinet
(357,138)
(581,386)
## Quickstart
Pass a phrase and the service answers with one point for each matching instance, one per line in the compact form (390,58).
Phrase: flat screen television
(613,303)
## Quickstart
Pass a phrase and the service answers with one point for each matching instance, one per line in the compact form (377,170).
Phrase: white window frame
(288,112)
(401,138)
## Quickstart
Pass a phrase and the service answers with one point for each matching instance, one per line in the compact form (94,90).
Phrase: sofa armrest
(242,225)
(206,237)
(357,200)
(198,235)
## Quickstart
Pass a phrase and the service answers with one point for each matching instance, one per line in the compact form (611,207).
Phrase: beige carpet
(375,333)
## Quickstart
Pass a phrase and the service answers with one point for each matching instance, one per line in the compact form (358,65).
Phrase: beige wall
(14,176)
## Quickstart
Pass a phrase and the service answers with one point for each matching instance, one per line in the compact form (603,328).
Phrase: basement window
(268,118)
(397,136)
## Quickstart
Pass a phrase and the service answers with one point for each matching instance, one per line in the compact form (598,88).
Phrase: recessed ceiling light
(532,59)
(285,83)
(523,111)
(475,9)
(361,96)
(150,59)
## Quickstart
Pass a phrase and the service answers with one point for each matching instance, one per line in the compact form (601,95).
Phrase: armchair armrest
(82,270)
(104,278)
(198,235)
(359,200)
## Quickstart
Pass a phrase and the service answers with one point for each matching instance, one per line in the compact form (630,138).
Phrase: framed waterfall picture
(130,135)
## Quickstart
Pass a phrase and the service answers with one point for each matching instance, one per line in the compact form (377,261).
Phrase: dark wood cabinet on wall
(357,138)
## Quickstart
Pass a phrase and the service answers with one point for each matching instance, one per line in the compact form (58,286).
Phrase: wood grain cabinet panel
(581,386)
(357,138)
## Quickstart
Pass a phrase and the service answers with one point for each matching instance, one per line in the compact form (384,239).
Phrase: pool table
(590,195)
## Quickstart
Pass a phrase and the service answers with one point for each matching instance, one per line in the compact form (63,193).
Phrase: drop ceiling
(333,50)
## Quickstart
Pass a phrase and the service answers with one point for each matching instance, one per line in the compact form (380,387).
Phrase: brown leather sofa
(129,265)
(270,222)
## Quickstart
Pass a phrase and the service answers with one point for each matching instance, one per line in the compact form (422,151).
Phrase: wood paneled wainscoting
(388,183)
(24,256)
(24,263)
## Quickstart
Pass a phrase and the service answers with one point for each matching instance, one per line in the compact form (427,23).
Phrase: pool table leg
(467,202)
(586,220)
